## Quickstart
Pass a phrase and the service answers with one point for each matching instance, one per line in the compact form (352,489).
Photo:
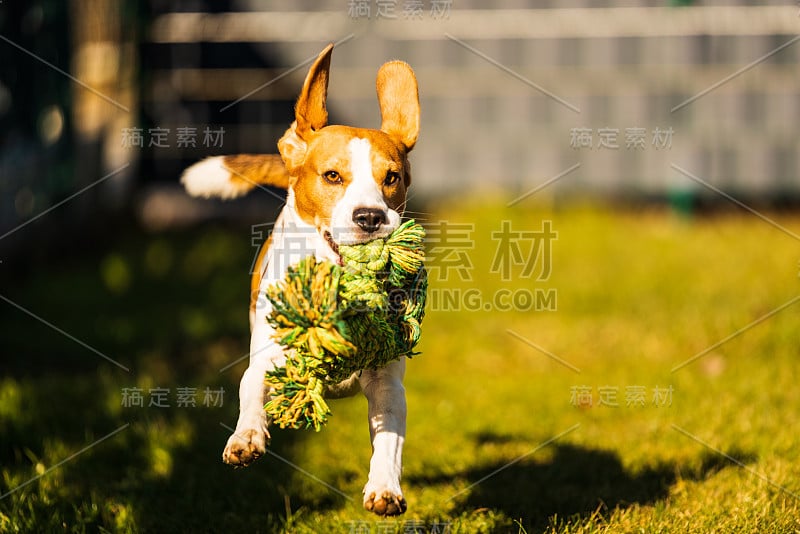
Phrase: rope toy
(335,320)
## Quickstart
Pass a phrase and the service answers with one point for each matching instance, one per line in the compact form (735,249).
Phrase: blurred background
(112,278)
(139,90)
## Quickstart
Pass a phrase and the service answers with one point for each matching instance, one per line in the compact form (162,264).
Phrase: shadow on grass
(173,309)
(575,482)
(161,472)
(201,494)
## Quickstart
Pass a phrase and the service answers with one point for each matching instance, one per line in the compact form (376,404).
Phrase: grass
(495,442)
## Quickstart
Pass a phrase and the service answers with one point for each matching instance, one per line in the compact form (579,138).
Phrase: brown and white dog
(345,185)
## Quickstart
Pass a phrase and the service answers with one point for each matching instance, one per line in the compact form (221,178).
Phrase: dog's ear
(292,148)
(398,97)
(310,112)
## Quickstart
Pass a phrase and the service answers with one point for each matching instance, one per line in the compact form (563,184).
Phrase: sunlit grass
(639,292)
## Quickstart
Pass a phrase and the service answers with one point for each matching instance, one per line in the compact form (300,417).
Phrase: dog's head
(350,183)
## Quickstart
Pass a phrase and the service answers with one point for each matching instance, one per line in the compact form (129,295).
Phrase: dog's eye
(392,178)
(332,177)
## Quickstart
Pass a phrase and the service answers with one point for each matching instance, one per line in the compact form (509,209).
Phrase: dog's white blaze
(362,191)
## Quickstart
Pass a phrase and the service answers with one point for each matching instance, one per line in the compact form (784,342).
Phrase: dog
(345,185)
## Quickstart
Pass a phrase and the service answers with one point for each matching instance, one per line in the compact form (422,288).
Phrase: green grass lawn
(501,433)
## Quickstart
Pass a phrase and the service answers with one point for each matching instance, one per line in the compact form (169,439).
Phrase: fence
(612,98)
(647,99)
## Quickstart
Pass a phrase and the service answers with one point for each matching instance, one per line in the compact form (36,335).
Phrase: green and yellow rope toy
(336,320)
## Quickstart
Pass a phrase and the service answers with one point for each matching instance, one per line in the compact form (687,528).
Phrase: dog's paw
(245,447)
(385,502)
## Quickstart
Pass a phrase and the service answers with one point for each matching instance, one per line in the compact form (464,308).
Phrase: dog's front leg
(387,427)
(249,440)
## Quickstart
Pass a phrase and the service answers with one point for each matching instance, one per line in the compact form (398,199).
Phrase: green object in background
(336,320)
(682,201)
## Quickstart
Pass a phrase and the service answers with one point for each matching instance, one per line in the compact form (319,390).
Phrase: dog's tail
(233,176)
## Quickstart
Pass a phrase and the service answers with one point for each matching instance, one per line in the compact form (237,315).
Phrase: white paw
(244,447)
(384,501)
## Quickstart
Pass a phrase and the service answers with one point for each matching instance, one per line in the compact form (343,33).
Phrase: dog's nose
(369,219)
